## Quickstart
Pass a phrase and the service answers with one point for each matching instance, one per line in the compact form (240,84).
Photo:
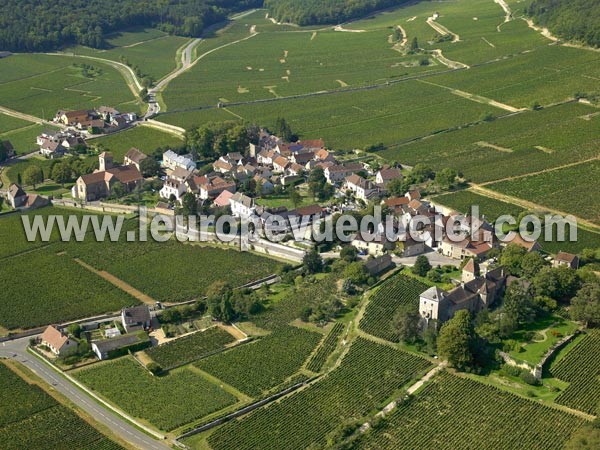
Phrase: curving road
(17,350)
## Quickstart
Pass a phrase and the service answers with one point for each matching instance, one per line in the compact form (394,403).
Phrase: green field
(328,345)
(146,139)
(581,367)
(172,271)
(42,84)
(9,123)
(153,51)
(44,287)
(23,139)
(395,292)
(527,142)
(572,190)
(190,348)
(456,412)
(32,419)
(369,375)
(168,401)
(255,368)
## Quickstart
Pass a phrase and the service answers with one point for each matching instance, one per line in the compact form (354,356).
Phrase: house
(280,164)
(384,176)
(371,244)
(8,148)
(116,346)
(223,199)
(378,265)
(58,342)
(135,318)
(302,158)
(338,173)
(172,160)
(312,144)
(107,113)
(54,144)
(398,205)
(413,195)
(173,188)
(99,184)
(566,259)
(466,248)
(266,157)
(325,156)
(16,196)
(361,188)
(134,157)
(213,187)
(52,149)
(72,118)
(242,206)
(266,186)
(475,293)
(110,333)
(295,169)
(222,166)
(413,247)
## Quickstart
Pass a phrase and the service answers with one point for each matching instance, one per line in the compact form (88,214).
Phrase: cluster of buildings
(134,321)
(104,119)
(54,143)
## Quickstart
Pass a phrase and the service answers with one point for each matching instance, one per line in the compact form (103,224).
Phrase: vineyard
(326,348)
(190,348)
(369,375)
(457,413)
(581,368)
(31,419)
(44,287)
(167,401)
(397,291)
(157,269)
(257,367)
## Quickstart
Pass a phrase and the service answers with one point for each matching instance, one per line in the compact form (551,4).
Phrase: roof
(434,293)
(16,191)
(390,174)
(313,143)
(281,161)
(414,194)
(471,267)
(179,159)
(243,199)
(75,114)
(566,257)
(135,155)
(311,210)
(357,180)
(126,174)
(220,164)
(350,167)
(181,173)
(108,110)
(136,315)
(223,198)
(109,345)
(54,337)
(394,202)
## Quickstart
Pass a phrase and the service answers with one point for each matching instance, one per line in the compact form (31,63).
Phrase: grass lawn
(547,332)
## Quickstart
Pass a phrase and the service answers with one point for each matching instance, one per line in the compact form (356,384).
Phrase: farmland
(149,49)
(581,367)
(369,375)
(23,139)
(61,85)
(508,421)
(572,189)
(316,362)
(395,292)
(190,348)
(533,141)
(257,367)
(179,397)
(32,419)
(9,123)
(52,291)
(143,138)
(157,269)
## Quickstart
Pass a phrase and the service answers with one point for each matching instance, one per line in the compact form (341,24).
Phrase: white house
(173,187)
(172,160)
(242,206)
(362,189)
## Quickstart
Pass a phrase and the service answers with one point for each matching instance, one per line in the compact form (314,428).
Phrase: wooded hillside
(313,12)
(41,25)
(577,20)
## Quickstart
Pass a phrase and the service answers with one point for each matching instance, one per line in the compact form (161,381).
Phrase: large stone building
(476,292)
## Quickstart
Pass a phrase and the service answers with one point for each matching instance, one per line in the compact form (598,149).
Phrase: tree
(446,178)
(398,187)
(317,184)
(414,45)
(531,264)
(356,273)
(61,173)
(283,130)
(295,197)
(33,175)
(118,190)
(349,253)
(456,341)
(421,266)
(149,167)
(519,304)
(511,259)
(405,323)
(312,261)
(189,204)
(585,306)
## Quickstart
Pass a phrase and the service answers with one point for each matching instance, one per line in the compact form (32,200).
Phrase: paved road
(17,350)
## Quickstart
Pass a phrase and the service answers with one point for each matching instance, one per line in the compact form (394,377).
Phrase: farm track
(27,117)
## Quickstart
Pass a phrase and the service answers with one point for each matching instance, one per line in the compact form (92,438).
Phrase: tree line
(317,12)
(43,25)
(573,20)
